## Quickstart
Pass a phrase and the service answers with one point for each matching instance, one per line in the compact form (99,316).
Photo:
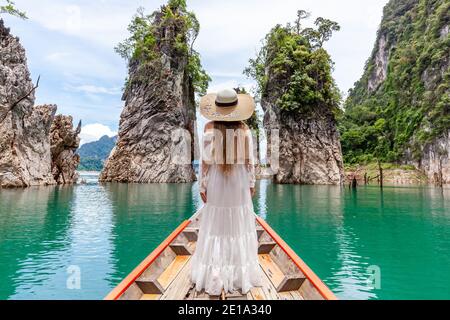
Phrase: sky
(70,44)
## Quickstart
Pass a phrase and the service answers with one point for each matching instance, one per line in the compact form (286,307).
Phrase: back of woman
(226,257)
(227,164)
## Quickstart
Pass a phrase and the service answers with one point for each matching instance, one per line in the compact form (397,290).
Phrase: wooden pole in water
(354,182)
(441,177)
(380,169)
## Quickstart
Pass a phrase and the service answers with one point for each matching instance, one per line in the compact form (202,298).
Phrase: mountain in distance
(94,154)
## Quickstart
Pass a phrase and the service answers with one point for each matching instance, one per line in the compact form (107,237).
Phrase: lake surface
(368,244)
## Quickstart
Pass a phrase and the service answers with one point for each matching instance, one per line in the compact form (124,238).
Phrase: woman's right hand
(203,196)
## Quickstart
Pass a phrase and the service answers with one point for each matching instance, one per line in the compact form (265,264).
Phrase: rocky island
(300,99)
(28,157)
(164,74)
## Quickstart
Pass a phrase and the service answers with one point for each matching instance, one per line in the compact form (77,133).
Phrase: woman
(226,256)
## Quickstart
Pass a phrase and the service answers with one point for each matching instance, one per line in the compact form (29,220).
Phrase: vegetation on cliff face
(9,7)
(402,101)
(145,46)
(295,56)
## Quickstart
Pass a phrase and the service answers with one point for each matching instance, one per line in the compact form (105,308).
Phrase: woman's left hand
(252,192)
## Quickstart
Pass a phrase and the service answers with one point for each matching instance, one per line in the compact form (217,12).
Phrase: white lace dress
(226,255)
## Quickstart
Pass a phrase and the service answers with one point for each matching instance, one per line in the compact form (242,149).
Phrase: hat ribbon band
(227,104)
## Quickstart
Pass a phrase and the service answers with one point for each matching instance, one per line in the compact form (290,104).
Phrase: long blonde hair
(226,152)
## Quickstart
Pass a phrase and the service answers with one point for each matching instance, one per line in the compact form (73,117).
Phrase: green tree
(325,28)
(303,69)
(9,7)
(301,15)
(145,43)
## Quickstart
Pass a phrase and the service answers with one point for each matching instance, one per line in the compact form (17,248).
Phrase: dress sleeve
(206,160)
(203,177)
(250,159)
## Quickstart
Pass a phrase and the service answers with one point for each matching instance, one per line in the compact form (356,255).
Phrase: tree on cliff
(296,57)
(142,45)
(8,7)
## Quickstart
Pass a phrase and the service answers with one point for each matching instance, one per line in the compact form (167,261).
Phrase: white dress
(226,255)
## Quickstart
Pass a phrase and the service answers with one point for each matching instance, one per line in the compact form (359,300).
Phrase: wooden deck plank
(179,288)
(271,269)
(296,295)
(286,295)
(204,296)
(237,295)
(150,297)
(290,295)
(169,275)
(258,294)
(267,291)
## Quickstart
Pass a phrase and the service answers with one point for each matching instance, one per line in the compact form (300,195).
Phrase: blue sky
(71,45)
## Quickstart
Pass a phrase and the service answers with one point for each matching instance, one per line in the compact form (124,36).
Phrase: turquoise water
(368,244)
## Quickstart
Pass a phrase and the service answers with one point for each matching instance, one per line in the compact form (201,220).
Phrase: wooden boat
(165,273)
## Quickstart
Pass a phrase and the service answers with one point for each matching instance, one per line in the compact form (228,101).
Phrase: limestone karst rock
(309,146)
(64,141)
(399,111)
(159,103)
(25,158)
(299,99)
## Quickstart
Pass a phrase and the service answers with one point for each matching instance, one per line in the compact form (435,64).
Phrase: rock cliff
(159,102)
(35,147)
(64,141)
(399,111)
(25,158)
(299,99)
(309,145)
(434,159)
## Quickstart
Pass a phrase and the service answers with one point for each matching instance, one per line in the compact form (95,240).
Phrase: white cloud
(57,56)
(93,89)
(93,132)
(101,22)
(216,86)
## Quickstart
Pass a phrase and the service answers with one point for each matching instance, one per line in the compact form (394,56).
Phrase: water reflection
(144,215)
(34,224)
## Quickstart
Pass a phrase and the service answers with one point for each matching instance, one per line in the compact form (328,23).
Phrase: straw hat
(227,105)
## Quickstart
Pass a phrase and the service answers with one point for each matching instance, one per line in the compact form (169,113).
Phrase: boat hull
(165,273)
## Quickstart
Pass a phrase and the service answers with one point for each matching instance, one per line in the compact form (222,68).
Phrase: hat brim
(240,112)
